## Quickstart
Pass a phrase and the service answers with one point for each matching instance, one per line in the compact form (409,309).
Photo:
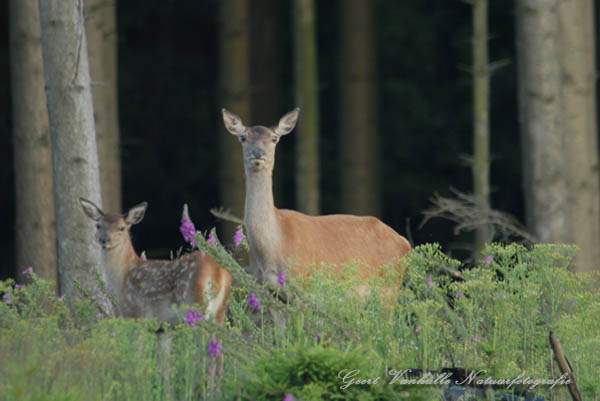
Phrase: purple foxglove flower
(238,237)
(319,336)
(429,281)
(288,397)
(192,317)
(281,279)
(187,227)
(214,348)
(253,301)
(211,239)
(27,272)
(17,286)
(488,259)
(6,298)
(417,330)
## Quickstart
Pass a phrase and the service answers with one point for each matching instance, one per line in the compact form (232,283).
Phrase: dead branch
(565,367)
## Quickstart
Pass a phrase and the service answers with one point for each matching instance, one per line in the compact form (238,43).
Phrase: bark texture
(74,154)
(359,136)
(234,68)
(34,197)
(307,98)
(481,120)
(102,52)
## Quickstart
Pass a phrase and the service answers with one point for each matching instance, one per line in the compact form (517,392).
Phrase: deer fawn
(149,288)
(288,240)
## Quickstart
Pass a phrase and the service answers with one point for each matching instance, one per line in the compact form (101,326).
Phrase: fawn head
(112,228)
(258,142)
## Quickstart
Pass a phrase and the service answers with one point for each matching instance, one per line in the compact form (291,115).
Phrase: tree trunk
(544,159)
(74,154)
(578,96)
(34,199)
(101,34)
(307,98)
(266,73)
(481,120)
(235,96)
(359,147)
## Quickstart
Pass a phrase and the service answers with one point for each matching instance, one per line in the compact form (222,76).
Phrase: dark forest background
(170,119)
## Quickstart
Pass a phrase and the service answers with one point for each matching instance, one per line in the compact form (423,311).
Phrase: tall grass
(498,319)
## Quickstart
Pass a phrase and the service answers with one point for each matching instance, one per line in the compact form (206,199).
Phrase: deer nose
(258,153)
(103,239)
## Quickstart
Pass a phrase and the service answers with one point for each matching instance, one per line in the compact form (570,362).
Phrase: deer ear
(91,210)
(287,122)
(233,123)
(136,213)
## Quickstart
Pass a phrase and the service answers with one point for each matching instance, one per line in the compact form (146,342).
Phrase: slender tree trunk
(307,95)
(481,119)
(543,145)
(34,198)
(359,147)
(578,97)
(101,34)
(74,154)
(235,96)
(266,73)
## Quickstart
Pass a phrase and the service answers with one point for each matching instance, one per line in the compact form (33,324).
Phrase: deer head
(113,229)
(258,142)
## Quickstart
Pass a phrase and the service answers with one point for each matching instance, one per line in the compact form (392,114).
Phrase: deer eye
(275,139)
(98,226)
(242,138)
(122,228)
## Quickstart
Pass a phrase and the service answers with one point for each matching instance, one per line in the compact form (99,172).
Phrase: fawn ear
(136,213)
(91,210)
(233,123)
(287,122)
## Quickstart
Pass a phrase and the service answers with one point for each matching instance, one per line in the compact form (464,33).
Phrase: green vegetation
(498,319)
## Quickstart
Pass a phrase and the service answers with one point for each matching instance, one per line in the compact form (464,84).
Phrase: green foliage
(498,319)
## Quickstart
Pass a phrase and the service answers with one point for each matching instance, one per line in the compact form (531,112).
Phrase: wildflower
(477,338)
(211,239)
(417,330)
(214,348)
(429,281)
(6,298)
(281,279)
(109,288)
(489,259)
(143,255)
(459,294)
(192,317)
(238,237)
(187,227)
(61,298)
(113,332)
(99,315)
(288,397)
(253,301)
(319,336)
(27,272)
(17,286)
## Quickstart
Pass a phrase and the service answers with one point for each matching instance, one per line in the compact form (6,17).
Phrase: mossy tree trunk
(34,197)
(307,98)
(359,127)
(234,70)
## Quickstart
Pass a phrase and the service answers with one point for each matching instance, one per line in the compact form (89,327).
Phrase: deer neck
(260,217)
(118,261)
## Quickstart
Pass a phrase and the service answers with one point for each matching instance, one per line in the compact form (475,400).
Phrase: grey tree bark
(481,119)
(102,53)
(543,144)
(74,153)
(307,98)
(578,99)
(34,199)
(234,68)
(359,136)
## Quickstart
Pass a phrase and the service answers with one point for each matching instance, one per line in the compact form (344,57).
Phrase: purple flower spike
(319,337)
(214,348)
(429,281)
(192,317)
(109,288)
(61,298)
(211,239)
(7,299)
(27,272)
(288,397)
(187,227)
(417,330)
(253,301)
(488,259)
(281,279)
(99,315)
(17,286)
(238,236)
